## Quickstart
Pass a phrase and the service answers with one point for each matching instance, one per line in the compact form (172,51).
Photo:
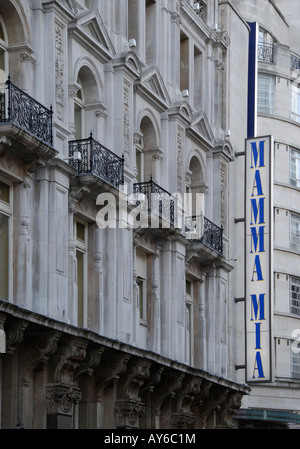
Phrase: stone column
(62,390)
(24,246)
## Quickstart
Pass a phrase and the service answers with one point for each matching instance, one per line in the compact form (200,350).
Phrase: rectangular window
(295,103)
(295,295)
(295,168)
(295,365)
(265,94)
(4,256)
(142,277)
(80,231)
(5,217)
(189,328)
(295,232)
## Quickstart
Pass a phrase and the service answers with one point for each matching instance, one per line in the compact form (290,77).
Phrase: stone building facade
(114,113)
(275,403)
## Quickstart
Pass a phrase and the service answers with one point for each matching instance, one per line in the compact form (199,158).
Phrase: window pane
(4,256)
(4,192)
(295,295)
(80,231)
(295,103)
(295,168)
(80,287)
(265,95)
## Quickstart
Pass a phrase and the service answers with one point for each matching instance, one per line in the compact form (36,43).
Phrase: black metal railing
(295,61)
(18,107)
(158,202)
(97,160)
(212,235)
(265,52)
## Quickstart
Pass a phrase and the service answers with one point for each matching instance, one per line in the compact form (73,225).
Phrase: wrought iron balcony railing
(97,160)
(265,52)
(19,108)
(201,230)
(158,201)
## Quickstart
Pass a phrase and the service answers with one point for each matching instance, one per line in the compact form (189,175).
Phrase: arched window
(196,187)
(79,113)
(139,151)
(86,103)
(146,152)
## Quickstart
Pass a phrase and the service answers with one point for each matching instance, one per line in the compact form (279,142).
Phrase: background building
(275,27)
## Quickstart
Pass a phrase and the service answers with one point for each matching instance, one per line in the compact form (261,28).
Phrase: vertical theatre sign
(258,258)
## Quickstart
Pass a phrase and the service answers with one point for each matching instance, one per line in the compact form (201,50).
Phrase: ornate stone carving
(138,370)
(91,362)
(65,362)
(14,333)
(112,366)
(75,195)
(61,399)
(126,119)
(36,349)
(170,383)
(228,409)
(59,69)
(182,416)
(213,402)
(129,406)
(180,137)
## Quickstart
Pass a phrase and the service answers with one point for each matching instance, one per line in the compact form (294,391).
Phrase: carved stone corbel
(182,415)
(15,333)
(170,383)
(215,400)
(36,349)
(75,195)
(112,366)
(90,363)
(5,142)
(129,406)
(228,409)
(66,360)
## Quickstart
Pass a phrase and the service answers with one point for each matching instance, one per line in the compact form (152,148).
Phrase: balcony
(265,52)
(27,123)
(201,231)
(19,108)
(96,160)
(157,203)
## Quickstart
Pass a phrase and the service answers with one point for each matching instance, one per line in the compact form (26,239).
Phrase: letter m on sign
(258,154)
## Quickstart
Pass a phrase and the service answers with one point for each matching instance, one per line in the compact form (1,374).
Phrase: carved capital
(61,399)
(128,413)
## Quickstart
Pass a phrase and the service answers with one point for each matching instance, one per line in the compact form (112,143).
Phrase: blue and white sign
(258,257)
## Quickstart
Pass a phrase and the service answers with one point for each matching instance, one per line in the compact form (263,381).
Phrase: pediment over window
(152,87)
(200,130)
(76,6)
(88,28)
